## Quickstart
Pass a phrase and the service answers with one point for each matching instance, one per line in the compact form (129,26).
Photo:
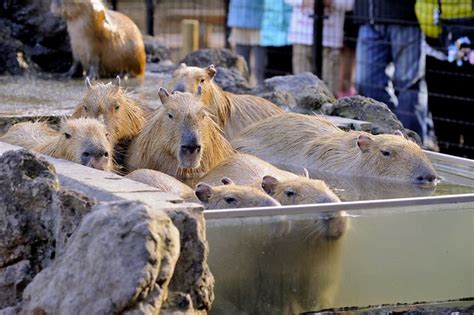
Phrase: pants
(260,59)
(302,58)
(405,91)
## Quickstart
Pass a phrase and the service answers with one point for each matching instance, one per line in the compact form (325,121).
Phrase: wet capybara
(224,195)
(314,142)
(179,139)
(233,112)
(286,187)
(82,140)
(232,196)
(120,110)
(103,41)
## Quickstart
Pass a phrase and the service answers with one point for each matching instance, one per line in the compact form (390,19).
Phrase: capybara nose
(191,148)
(179,88)
(98,153)
(429,179)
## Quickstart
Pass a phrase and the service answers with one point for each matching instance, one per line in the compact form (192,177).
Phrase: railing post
(318,18)
(150,14)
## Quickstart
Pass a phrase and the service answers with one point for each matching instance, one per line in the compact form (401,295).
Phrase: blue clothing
(245,14)
(275,23)
(377,46)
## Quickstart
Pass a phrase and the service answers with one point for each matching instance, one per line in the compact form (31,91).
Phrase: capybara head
(71,9)
(300,190)
(230,195)
(109,102)
(189,79)
(185,124)
(395,158)
(84,141)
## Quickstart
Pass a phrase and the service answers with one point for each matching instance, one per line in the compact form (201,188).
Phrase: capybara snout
(95,156)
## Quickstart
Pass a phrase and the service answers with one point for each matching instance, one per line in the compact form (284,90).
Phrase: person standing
(389,34)
(244,19)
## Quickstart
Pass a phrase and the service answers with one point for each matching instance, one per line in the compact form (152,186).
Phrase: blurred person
(244,19)
(446,29)
(347,70)
(389,34)
(301,36)
(274,36)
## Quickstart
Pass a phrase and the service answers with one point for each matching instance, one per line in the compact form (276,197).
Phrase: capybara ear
(164,95)
(399,133)
(227,181)
(364,142)
(88,83)
(182,65)
(269,183)
(203,192)
(101,16)
(211,71)
(117,81)
(306,173)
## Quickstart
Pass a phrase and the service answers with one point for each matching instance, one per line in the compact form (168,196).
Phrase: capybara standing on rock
(104,42)
(179,139)
(233,112)
(221,196)
(314,142)
(83,141)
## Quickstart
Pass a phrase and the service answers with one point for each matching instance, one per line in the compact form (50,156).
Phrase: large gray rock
(231,80)
(32,39)
(155,50)
(192,275)
(303,92)
(219,57)
(367,109)
(119,260)
(37,219)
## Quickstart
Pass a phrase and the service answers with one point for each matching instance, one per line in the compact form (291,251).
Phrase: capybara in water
(217,197)
(286,187)
(83,141)
(103,41)
(231,196)
(122,114)
(233,112)
(314,142)
(179,139)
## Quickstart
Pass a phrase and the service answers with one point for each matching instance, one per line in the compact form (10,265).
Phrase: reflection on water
(364,188)
(272,265)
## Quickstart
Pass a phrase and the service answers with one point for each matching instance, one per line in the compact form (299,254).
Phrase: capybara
(233,112)
(179,139)
(231,196)
(286,187)
(103,41)
(314,142)
(82,140)
(121,112)
(225,195)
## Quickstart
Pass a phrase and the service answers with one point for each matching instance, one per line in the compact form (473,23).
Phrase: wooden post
(150,15)
(318,38)
(190,36)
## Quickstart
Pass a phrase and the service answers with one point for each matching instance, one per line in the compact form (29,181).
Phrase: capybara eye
(202,80)
(385,153)
(117,107)
(290,193)
(107,135)
(170,116)
(106,154)
(67,135)
(85,108)
(230,200)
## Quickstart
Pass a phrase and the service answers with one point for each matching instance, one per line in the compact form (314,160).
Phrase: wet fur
(314,142)
(233,112)
(156,145)
(54,143)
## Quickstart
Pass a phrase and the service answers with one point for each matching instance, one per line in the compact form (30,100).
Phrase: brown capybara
(232,196)
(103,41)
(121,112)
(286,187)
(314,142)
(233,112)
(179,139)
(84,141)
(217,197)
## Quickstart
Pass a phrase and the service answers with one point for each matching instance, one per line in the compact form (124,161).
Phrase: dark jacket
(385,11)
